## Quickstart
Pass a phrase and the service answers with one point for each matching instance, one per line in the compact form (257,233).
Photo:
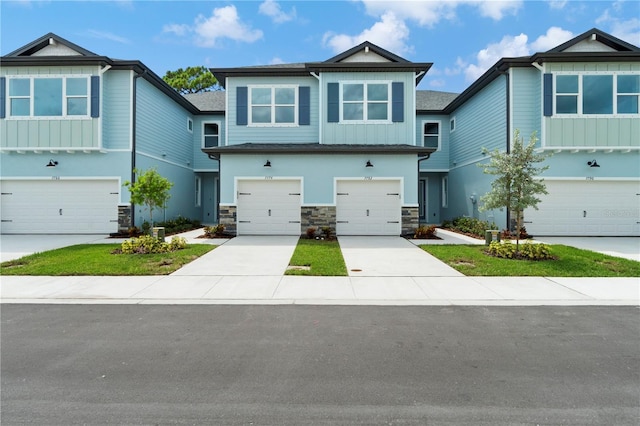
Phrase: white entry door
(60,206)
(268,207)
(586,208)
(368,207)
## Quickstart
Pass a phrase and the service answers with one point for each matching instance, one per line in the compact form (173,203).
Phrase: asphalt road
(102,364)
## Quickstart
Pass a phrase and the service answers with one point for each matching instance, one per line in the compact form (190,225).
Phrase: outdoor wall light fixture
(52,163)
(593,163)
(267,164)
(368,164)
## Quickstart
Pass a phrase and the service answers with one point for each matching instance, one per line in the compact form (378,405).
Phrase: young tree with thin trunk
(516,185)
(149,189)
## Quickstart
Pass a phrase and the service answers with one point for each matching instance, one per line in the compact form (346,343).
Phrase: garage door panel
(368,207)
(270,207)
(61,206)
(587,208)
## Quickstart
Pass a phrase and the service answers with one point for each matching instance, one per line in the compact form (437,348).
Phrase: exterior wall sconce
(52,163)
(593,163)
(267,164)
(368,164)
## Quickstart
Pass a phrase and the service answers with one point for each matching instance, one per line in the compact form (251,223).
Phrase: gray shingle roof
(213,101)
(430,100)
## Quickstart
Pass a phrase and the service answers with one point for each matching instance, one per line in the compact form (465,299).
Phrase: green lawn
(96,259)
(571,262)
(323,257)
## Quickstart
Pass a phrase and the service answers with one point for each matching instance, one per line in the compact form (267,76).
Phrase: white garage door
(368,207)
(587,208)
(268,207)
(60,206)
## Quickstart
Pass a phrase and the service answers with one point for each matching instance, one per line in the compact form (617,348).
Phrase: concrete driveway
(626,247)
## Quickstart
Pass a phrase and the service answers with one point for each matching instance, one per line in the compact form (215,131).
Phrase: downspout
(216,157)
(134,96)
(508,127)
(313,73)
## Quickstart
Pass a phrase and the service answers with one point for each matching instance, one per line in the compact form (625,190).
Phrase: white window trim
(219,123)
(296,104)
(439,123)
(31,115)
(581,74)
(364,101)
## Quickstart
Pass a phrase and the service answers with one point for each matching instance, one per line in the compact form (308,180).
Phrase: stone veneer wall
(409,220)
(228,219)
(318,217)
(124,218)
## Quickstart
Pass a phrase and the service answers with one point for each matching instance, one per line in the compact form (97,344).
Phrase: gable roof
(627,53)
(600,36)
(48,40)
(27,56)
(334,64)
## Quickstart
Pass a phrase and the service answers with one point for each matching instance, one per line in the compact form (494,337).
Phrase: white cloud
(429,13)
(272,9)
(437,83)
(390,33)
(557,4)
(555,36)
(276,61)
(497,10)
(509,46)
(108,36)
(627,30)
(224,23)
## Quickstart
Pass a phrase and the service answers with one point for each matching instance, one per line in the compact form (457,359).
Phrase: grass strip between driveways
(96,259)
(323,257)
(570,262)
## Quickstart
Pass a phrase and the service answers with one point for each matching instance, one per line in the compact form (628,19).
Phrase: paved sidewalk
(279,289)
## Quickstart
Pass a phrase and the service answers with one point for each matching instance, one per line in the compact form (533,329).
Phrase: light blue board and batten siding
(116,106)
(479,123)
(67,133)
(401,126)
(438,160)
(161,128)
(242,133)
(526,104)
(584,131)
(201,161)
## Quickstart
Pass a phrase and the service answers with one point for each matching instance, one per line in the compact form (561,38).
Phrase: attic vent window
(52,41)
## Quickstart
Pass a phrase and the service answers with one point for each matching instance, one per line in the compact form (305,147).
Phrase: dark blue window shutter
(242,104)
(95,96)
(304,105)
(548,94)
(333,103)
(397,102)
(3,95)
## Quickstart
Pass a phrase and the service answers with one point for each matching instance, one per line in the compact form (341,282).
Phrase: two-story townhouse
(73,127)
(322,144)
(347,143)
(581,98)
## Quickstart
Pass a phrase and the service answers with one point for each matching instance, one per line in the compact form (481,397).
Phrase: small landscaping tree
(516,186)
(150,189)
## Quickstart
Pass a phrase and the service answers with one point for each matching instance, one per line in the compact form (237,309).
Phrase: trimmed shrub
(147,244)
(214,231)
(469,225)
(311,232)
(528,251)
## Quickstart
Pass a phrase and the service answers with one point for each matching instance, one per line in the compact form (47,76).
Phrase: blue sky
(462,38)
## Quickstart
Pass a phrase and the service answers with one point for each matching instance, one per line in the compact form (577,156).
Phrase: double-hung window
(210,135)
(273,106)
(49,96)
(431,134)
(597,94)
(366,101)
